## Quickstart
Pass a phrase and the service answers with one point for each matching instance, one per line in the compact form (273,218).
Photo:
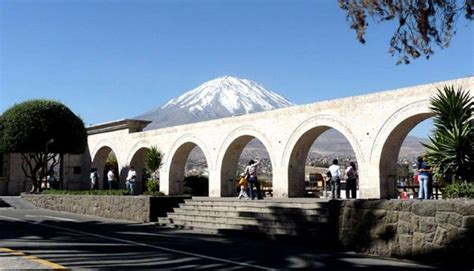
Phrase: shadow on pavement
(123,245)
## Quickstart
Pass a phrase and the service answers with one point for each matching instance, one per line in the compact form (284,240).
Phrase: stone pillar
(369,185)
(214,183)
(164,181)
(280,182)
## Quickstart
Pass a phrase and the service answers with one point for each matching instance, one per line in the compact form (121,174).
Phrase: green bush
(152,186)
(459,189)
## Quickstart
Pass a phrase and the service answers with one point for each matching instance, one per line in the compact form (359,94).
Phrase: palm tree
(153,162)
(451,148)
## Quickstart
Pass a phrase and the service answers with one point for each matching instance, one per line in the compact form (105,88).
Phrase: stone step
(257,203)
(310,221)
(257,209)
(314,215)
(212,227)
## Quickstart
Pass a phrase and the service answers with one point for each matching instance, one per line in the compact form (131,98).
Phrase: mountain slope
(222,97)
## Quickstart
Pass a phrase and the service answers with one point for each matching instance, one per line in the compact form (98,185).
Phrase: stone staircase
(274,218)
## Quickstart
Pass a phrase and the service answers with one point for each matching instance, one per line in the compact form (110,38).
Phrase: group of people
(335,173)
(248,181)
(130,184)
(49,181)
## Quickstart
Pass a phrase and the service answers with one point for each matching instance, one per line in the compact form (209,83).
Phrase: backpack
(329,174)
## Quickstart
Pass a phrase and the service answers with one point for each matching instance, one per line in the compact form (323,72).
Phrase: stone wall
(423,230)
(136,208)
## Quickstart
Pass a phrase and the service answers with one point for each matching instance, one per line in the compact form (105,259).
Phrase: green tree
(419,23)
(40,130)
(450,150)
(153,161)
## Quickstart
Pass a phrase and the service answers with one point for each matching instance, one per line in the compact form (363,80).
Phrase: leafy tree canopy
(27,128)
(419,23)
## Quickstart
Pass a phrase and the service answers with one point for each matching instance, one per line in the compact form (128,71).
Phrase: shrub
(459,189)
(152,186)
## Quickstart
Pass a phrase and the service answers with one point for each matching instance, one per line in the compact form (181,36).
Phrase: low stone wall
(136,208)
(432,230)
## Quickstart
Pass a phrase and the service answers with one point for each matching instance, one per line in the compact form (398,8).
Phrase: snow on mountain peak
(237,96)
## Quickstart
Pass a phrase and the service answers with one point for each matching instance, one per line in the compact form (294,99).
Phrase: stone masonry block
(418,243)
(466,208)
(440,236)
(455,219)
(425,208)
(427,224)
(406,241)
(442,218)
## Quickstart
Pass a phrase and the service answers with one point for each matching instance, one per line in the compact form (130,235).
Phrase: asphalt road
(48,239)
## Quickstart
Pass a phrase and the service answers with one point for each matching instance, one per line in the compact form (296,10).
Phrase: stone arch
(229,154)
(389,139)
(136,159)
(99,156)
(300,142)
(177,158)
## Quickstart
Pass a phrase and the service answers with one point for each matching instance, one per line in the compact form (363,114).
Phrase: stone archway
(99,162)
(298,147)
(229,157)
(389,141)
(176,168)
(138,162)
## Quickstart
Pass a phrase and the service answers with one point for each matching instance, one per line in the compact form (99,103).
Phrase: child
(243,183)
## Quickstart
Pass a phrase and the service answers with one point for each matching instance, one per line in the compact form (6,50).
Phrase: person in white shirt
(111,178)
(335,182)
(94,177)
(131,178)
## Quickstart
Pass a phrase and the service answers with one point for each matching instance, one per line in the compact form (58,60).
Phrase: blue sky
(109,60)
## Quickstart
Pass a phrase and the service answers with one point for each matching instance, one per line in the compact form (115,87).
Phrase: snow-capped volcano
(222,97)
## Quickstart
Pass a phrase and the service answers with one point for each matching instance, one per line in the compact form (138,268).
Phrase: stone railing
(135,208)
(424,230)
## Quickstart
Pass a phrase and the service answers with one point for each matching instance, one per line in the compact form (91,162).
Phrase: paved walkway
(12,259)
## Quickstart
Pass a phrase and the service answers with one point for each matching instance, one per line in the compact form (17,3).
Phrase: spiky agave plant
(450,150)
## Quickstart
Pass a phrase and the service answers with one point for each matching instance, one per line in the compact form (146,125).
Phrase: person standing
(51,179)
(351,181)
(423,177)
(243,183)
(335,172)
(131,178)
(94,177)
(251,172)
(111,178)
